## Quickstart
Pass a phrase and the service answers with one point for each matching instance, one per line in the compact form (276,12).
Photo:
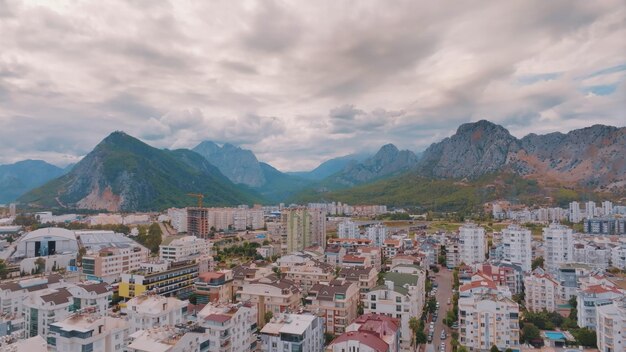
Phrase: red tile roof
(368,339)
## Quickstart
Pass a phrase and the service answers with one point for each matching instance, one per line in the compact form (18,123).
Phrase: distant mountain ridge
(22,176)
(124,174)
(330,167)
(239,165)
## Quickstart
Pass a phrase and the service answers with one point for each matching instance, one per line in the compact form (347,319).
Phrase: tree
(529,332)
(413,325)
(3,269)
(461,349)
(508,350)
(537,263)
(585,337)
(494,348)
(268,316)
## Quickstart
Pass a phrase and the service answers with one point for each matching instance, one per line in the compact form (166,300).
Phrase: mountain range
(19,178)
(481,161)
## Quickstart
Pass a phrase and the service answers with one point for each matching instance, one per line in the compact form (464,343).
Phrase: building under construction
(198,222)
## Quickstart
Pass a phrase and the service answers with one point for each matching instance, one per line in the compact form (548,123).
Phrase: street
(444,292)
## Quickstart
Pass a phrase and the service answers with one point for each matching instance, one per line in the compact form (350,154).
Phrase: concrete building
(178,219)
(399,298)
(453,254)
(595,255)
(184,248)
(486,320)
(108,264)
(541,291)
(148,311)
(307,274)
(618,256)
(169,339)
(377,234)
(229,327)
(303,228)
(348,229)
(82,332)
(517,246)
(45,242)
(591,210)
(608,225)
(365,278)
(271,294)
(167,279)
(575,215)
(611,320)
(607,208)
(214,287)
(293,332)
(198,222)
(472,244)
(592,297)
(558,240)
(335,302)
(369,333)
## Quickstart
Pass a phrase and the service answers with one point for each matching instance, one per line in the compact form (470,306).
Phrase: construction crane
(199,196)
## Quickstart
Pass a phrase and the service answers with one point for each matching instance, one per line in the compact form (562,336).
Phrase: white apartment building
(377,234)
(541,291)
(108,264)
(486,320)
(592,297)
(618,256)
(178,218)
(398,298)
(185,248)
(607,208)
(82,332)
(293,332)
(611,328)
(270,294)
(453,254)
(347,229)
(575,215)
(591,210)
(558,241)
(148,311)
(517,246)
(166,339)
(44,308)
(472,244)
(229,327)
(595,255)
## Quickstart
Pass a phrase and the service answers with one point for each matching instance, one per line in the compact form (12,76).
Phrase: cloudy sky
(299,82)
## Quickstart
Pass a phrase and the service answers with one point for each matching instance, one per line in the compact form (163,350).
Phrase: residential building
(373,253)
(214,287)
(184,248)
(397,298)
(592,297)
(472,244)
(541,291)
(169,339)
(334,254)
(271,294)
(44,308)
(167,279)
(611,321)
(365,278)
(505,274)
(517,246)
(618,256)
(608,225)
(486,320)
(293,332)
(369,333)
(336,302)
(266,251)
(108,264)
(597,256)
(178,219)
(82,332)
(569,276)
(453,254)
(575,215)
(304,228)
(377,234)
(229,327)
(307,274)
(558,240)
(348,229)
(607,208)
(150,310)
(590,209)
(392,247)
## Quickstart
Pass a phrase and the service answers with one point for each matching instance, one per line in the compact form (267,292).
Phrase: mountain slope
(388,161)
(19,178)
(280,186)
(125,174)
(239,165)
(330,167)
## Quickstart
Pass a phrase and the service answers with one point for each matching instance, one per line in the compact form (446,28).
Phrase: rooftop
(288,324)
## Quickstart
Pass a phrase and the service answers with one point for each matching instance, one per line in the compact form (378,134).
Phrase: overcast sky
(299,82)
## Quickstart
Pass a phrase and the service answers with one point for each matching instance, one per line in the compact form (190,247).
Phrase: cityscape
(273,176)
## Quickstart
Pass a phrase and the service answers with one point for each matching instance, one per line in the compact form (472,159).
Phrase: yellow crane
(199,196)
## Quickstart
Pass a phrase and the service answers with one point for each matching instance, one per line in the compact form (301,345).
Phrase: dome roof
(50,232)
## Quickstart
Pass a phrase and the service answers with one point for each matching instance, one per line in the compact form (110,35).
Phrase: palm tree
(413,325)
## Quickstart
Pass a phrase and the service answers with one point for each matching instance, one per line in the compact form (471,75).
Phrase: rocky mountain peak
(238,164)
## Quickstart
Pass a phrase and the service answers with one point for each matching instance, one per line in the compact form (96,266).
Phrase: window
(372,297)
(373,306)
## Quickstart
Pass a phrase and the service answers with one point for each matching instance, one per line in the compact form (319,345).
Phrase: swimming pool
(555,335)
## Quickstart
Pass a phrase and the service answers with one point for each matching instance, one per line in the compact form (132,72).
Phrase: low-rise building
(271,295)
(369,333)
(148,311)
(87,332)
(229,327)
(215,287)
(309,273)
(168,339)
(293,332)
(108,264)
(336,302)
(365,278)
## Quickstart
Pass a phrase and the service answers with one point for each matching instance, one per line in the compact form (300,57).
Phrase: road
(444,292)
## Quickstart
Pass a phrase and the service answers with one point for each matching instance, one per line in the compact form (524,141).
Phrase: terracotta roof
(601,289)
(368,339)
(207,276)
(61,296)
(353,258)
(220,318)
(98,288)
(476,284)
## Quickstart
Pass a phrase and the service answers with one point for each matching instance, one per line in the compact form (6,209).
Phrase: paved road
(444,292)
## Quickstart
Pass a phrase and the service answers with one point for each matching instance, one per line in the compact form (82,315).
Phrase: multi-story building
(575,215)
(590,209)
(472,244)
(558,240)
(149,311)
(595,255)
(336,302)
(517,246)
(167,279)
(214,287)
(198,222)
(392,247)
(271,295)
(397,298)
(169,339)
(569,276)
(541,291)
(82,332)
(373,253)
(348,229)
(184,248)
(44,308)
(249,272)
(592,297)
(611,321)
(178,218)
(607,208)
(377,234)
(334,254)
(229,327)
(293,332)
(453,254)
(369,333)
(608,225)
(309,273)
(109,263)
(505,274)
(618,256)
(303,228)
(486,320)
(365,278)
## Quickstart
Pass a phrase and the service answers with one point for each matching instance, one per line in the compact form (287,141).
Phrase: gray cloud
(299,84)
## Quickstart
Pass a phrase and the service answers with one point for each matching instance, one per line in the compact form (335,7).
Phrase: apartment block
(271,294)
(214,287)
(472,244)
(611,326)
(150,310)
(82,332)
(336,302)
(541,291)
(365,278)
(558,240)
(163,278)
(369,333)
(592,297)
(517,246)
(229,327)
(184,248)
(293,332)
(109,263)
(486,320)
